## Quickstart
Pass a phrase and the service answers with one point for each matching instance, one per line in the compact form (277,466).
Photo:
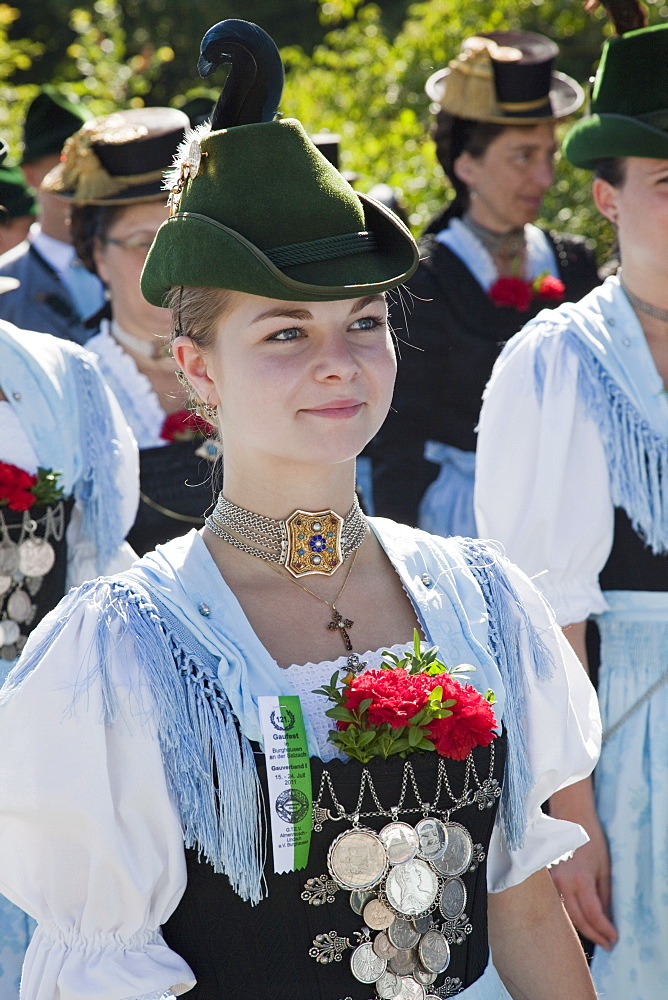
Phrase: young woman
(485,270)
(572,478)
(112,171)
(135,828)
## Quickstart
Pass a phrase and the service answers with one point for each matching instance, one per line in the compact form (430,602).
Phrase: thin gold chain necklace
(338,623)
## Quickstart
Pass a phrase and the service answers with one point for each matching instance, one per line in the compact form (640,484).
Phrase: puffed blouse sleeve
(542,482)
(562,729)
(90,840)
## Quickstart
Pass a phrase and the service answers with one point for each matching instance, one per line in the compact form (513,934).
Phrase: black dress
(176,490)
(236,950)
(450,334)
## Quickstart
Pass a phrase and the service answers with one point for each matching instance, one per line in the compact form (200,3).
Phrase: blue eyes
(295,332)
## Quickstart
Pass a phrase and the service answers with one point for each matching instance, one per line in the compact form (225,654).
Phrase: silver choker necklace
(306,542)
(640,306)
(159,348)
(510,244)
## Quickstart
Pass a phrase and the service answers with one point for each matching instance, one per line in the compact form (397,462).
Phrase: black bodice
(26,595)
(631,564)
(236,950)
(178,480)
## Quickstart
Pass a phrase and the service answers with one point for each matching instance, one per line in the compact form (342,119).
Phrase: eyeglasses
(139,244)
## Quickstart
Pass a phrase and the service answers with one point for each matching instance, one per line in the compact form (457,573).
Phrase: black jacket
(450,334)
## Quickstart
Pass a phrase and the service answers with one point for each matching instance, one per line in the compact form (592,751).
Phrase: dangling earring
(210,412)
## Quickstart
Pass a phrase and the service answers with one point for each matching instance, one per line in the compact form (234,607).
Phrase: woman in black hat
(198,825)
(485,269)
(112,171)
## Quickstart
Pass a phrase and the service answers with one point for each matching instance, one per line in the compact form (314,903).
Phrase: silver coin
(401,842)
(9,632)
(453,899)
(433,838)
(411,888)
(19,606)
(359,898)
(9,652)
(365,964)
(402,934)
(434,952)
(9,557)
(387,986)
(403,962)
(377,916)
(458,853)
(383,947)
(36,557)
(357,859)
(422,924)
(410,989)
(422,976)
(5,584)
(432,996)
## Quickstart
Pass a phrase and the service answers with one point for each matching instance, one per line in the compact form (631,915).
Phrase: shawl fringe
(508,625)
(637,456)
(209,763)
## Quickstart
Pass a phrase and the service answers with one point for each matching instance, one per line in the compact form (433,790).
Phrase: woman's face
(508,181)
(296,382)
(119,259)
(639,210)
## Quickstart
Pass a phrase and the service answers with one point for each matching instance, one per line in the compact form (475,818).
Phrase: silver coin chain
(271,533)
(483,793)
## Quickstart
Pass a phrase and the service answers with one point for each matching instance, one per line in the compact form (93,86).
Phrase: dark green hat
(629,102)
(256,208)
(16,198)
(50,120)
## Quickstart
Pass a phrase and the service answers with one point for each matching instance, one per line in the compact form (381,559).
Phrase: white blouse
(15,446)
(91,841)
(542,480)
(133,390)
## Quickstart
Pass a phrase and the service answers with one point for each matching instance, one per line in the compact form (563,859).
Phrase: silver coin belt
(404,882)
(25,560)
(267,538)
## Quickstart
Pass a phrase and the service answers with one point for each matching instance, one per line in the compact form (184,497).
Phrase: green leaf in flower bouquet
(435,694)
(363,705)
(341,714)
(490,696)
(414,736)
(425,744)
(366,736)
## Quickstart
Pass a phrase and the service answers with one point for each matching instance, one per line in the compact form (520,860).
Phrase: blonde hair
(196,313)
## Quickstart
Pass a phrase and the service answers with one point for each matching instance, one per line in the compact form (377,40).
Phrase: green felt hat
(16,198)
(629,102)
(256,208)
(50,120)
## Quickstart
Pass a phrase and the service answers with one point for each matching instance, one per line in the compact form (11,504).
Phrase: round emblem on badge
(291,805)
(283,721)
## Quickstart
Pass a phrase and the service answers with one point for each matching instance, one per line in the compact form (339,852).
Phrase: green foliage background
(354,68)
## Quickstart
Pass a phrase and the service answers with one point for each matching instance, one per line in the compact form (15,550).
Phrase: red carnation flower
(184,425)
(471,724)
(15,486)
(20,500)
(513,292)
(550,288)
(397,695)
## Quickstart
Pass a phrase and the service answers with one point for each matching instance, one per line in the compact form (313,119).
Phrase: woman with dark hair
(485,269)
(112,171)
(187,819)
(572,477)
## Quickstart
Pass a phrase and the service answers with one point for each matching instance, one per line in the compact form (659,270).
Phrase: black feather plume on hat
(253,89)
(626,15)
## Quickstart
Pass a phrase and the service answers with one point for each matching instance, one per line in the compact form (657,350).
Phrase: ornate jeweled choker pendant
(313,543)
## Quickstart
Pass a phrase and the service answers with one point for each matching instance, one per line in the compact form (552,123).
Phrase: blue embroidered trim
(508,625)
(637,456)
(98,491)
(210,765)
